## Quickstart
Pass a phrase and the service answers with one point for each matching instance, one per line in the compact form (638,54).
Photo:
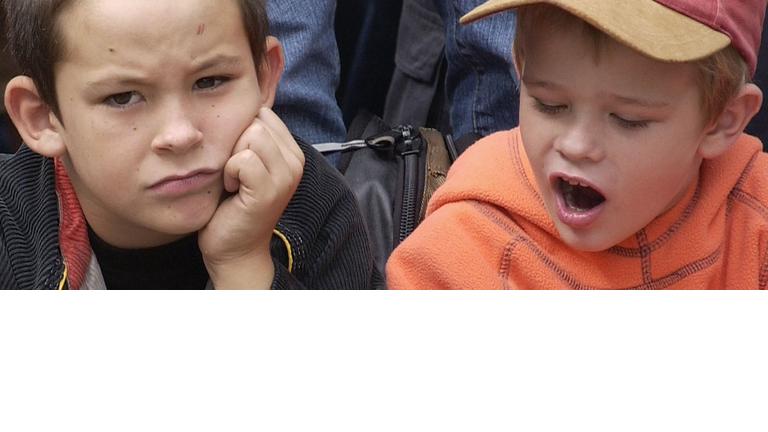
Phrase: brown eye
(209,83)
(122,98)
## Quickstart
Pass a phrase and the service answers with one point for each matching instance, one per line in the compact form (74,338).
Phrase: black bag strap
(458,146)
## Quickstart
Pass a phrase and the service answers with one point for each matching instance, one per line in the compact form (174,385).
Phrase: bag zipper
(408,146)
(407,143)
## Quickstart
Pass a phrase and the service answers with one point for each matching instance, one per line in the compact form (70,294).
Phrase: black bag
(393,173)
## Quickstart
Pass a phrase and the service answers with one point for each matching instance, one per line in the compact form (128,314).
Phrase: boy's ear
(269,71)
(732,122)
(35,122)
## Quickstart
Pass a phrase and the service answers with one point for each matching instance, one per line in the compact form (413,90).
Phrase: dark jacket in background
(416,93)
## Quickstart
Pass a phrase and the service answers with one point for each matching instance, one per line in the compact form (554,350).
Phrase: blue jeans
(481,83)
(306,93)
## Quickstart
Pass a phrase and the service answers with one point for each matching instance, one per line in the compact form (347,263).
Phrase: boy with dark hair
(152,158)
(630,168)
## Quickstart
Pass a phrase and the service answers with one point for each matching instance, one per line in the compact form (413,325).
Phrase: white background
(383,361)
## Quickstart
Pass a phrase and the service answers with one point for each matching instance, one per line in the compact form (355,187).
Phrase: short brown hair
(719,76)
(35,39)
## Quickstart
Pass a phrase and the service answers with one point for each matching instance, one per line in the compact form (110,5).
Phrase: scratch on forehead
(200,29)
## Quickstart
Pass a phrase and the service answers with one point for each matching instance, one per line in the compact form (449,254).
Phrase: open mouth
(579,196)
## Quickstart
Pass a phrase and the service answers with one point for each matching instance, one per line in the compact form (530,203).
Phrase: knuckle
(248,156)
(257,128)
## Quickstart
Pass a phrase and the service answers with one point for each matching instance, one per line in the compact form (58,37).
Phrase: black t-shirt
(178,265)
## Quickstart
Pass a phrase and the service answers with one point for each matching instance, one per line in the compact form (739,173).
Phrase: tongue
(581,198)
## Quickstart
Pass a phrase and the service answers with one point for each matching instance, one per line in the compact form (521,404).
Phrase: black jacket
(322,223)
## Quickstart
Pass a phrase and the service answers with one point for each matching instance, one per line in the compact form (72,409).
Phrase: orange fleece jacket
(487,228)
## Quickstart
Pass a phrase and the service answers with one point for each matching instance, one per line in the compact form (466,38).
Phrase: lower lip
(577,219)
(185,185)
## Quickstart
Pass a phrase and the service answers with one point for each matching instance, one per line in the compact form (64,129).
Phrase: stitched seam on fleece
(493,214)
(645,256)
(662,239)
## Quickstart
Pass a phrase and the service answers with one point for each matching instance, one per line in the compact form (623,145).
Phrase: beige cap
(667,30)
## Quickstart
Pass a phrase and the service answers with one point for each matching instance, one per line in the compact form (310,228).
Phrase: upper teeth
(576,183)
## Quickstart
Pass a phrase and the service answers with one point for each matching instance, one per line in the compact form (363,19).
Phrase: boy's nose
(580,142)
(178,132)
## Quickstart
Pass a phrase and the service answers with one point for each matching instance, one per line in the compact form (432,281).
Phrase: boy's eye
(548,109)
(209,83)
(123,99)
(630,124)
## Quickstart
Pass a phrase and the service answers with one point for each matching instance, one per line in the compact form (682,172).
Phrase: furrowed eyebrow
(219,60)
(225,61)
(114,81)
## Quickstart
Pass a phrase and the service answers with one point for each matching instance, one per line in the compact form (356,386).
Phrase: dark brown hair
(35,38)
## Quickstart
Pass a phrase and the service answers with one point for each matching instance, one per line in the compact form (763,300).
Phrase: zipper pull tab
(410,141)
(403,139)
(384,141)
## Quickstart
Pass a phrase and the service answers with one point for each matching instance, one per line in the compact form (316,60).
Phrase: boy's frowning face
(613,140)
(154,95)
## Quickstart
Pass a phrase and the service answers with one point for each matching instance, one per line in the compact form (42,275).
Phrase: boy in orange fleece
(630,168)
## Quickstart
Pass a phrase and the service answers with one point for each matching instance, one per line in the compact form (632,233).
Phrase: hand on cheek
(262,175)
